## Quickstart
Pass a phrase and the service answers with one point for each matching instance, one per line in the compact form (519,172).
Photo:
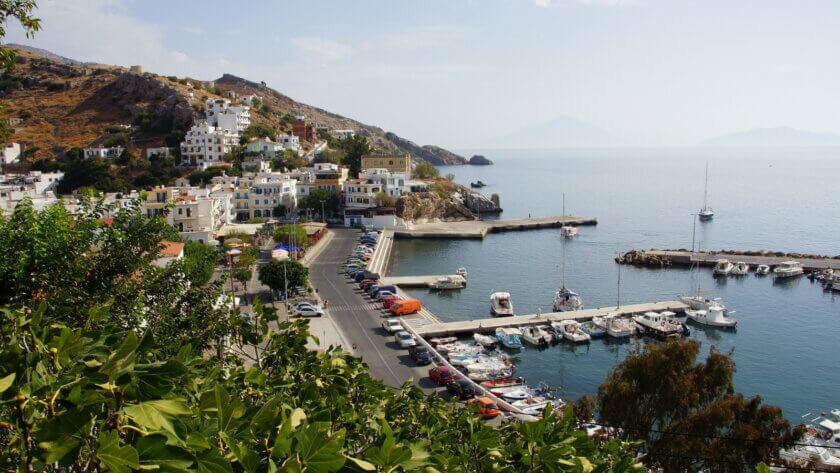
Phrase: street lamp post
(323,219)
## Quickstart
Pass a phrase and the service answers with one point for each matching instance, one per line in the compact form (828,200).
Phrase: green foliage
(354,147)
(331,199)
(662,389)
(328,155)
(100,397)
(200,260)
(450,177)
(116,139)
(384,200)
(243,275)
(278,274)
(282,235)
(199,178)
(425,171)
(287,160)
(93,172)
(256,130)
(256,102)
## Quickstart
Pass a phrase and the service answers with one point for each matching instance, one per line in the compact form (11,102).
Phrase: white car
(308,310)
(392,325)
(404,339)
(381,295)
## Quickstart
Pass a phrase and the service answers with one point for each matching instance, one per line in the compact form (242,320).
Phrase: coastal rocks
(430,206)
(428,153)
(479,160)
(143,95)
(641,258)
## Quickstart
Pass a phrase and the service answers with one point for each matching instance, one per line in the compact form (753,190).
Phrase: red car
(388,301)
(441,375)
(365,283)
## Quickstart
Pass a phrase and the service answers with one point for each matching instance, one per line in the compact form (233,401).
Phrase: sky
(462,73)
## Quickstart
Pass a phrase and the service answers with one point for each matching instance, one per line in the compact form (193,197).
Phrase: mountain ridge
(774,136)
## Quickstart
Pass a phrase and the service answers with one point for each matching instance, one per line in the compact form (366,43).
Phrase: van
(405,307)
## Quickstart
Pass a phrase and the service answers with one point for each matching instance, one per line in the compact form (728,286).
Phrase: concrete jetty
(709,258)
(491,324)
(418,281)
(480,228)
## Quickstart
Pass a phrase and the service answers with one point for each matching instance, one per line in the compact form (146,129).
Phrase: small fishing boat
(536,336)
(442,341)
(569,231)
(713,317)
(503,383)
(485,340)
(723,267)
(447,283)
(788,269)
(570,330)
(740,269)
(657,325)
(595,328)
(500,304)
(618,327)
(509,337)
(762,270)
(515,394)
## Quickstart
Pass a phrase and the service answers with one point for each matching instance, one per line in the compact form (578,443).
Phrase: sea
(787,344)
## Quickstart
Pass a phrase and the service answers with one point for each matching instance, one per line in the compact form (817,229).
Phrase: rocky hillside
(64,103)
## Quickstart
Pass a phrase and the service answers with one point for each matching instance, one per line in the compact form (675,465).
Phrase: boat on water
(509,337)
(835,285)
(442,340)
(500,304)
(485,341)
(706,213)
(740,269)
(489,369)
(595,328)
(658,325)
(503,383)
(788,269)
(536,335)
(762,270)
(714,317)
(460,347)
(447,283)
(570,330)
(567,300)
(698,302)
(723,267)
(462,272)
(618,327)
(569,231)
(477,184)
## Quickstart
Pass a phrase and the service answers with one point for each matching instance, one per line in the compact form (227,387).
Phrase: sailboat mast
(706,188)
(564,204)
(563,263)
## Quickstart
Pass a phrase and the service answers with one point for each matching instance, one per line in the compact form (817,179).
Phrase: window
(180,211)
(180,227)
(188,212)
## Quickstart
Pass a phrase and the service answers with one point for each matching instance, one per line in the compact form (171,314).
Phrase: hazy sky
(461,72)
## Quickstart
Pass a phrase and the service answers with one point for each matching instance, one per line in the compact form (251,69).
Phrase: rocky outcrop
(428,153)
(479,160)
(422,207)
(641,258)
(144,95)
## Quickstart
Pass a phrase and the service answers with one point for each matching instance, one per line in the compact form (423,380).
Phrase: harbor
(685,258)
(423,281)
(479,229)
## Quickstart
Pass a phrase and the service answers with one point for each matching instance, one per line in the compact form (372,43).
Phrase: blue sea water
(786,345)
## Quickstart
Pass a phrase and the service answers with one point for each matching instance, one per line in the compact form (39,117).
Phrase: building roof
(171,248)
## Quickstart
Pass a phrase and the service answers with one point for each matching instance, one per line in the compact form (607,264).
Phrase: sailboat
(706,213)
(565,299)
(568,231)
(698,301)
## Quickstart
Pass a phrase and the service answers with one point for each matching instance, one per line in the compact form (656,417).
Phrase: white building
(264,147)
(395,184)
(38,186)
(272,197)
(341,134)
(221,114)
(291,142)
(205,145)
(11,153)
(360,194)
(161,152)
(103,152)
(250,99)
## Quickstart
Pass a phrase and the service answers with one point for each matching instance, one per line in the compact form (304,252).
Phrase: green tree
(331,200)
(243,275)
(21,10)
(287,160)
(257,130)
(200,261)
(687,412)
(354,147)
(425,171)
(328,155)
(384,200)
(281,274)
(282,235)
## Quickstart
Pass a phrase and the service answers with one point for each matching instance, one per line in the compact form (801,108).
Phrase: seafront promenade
(480,228)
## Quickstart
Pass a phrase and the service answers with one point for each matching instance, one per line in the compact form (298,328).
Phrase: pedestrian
(326,302)
(354,346)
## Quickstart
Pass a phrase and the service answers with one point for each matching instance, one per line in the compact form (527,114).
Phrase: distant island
(771,137)
(479,160)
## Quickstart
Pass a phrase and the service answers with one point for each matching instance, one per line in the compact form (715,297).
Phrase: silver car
(404,339)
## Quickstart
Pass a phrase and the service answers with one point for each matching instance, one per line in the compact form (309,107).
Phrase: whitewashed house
(103,152)
(205,145)
(11,153)
(291,142)
(221,114)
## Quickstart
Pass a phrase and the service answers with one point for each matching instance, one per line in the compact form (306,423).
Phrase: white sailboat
(706,213)
(565,299)
(698,301)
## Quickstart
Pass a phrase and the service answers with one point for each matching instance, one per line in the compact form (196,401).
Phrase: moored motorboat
(503,382)
(618,327)
(448,283)
(740,269)
(442,340)
(485,340)
(698,302)
(509,337)
(569,231)
(723,267)
(657,325)
(500,304)
(595,328)
(570,330)
(714,317)
(788,269)
(536,335)
(762,270)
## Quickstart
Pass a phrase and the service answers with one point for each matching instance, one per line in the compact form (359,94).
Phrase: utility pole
(323,218)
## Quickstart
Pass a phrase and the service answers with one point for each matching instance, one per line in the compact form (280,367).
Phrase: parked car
(309,311)
(302,304)
(389,287)
(392,325)
(371,289)
(405,307)
(486,407)
(461,388)
(360,275)
(367,283)
(404,339)
(441,375)
(350,268)
(390,300)
(419,354)
(381,295)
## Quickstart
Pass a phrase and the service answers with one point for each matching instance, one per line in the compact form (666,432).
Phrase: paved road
(357,316)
